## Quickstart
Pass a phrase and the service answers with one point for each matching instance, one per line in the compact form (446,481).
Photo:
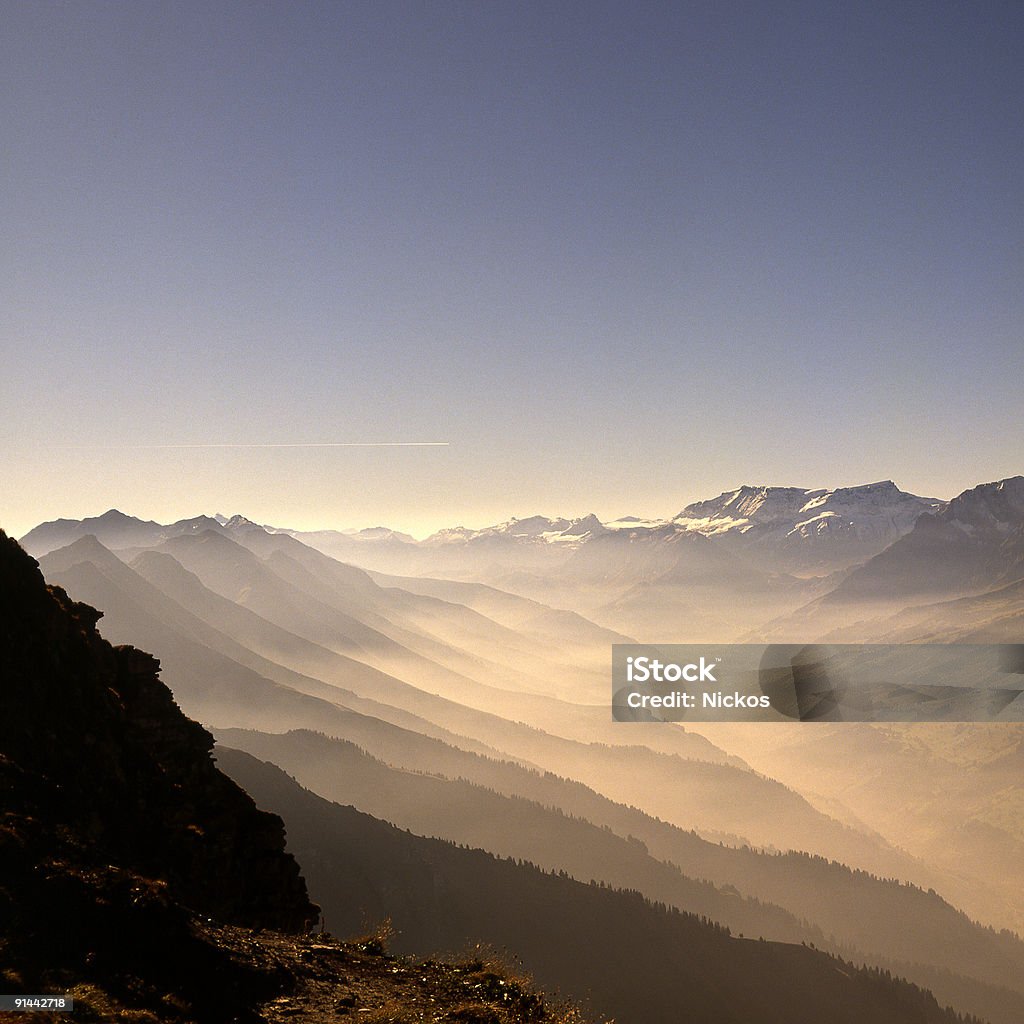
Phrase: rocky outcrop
(117,830)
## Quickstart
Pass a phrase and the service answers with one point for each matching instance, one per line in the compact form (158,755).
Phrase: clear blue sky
(621,256)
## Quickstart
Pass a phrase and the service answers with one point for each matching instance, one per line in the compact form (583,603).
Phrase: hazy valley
(457,688)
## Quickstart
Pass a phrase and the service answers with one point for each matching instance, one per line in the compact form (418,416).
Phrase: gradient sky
(621,256)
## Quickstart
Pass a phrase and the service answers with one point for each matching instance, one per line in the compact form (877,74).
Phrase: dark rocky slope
(118,830)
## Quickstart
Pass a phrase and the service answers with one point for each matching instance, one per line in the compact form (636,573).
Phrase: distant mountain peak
(749,504)
(587,525)
(195,525)
(88,544)
(530,528)
(740,508)
(240,522)
(997,502)
(533,526)
(113,529)
(379,533)
(798,529)
(115,515)
(970,544)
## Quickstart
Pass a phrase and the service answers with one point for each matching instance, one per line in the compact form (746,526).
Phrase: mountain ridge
(764,503)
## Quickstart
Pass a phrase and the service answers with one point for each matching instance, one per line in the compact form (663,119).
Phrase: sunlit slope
(215,677)
(341,607)
(691,793)
(473,713)
(181,596)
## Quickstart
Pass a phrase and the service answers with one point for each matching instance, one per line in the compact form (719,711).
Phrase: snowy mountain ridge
(867,509)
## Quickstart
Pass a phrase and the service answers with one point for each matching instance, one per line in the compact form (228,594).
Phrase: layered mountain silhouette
(616,951)
(113,528)
(701,786)
(457,687)
(903,925)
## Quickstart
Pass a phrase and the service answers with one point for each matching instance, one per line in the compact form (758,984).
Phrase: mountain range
(791,526)
(457,687)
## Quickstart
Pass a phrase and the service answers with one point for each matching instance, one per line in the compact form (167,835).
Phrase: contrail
(269,444)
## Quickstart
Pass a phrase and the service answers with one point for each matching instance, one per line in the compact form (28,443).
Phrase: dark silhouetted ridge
(118,829)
